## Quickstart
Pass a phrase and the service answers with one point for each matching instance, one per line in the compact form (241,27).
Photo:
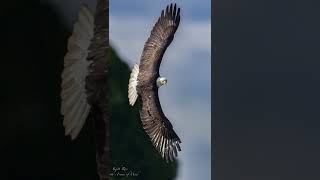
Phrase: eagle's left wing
(74,104)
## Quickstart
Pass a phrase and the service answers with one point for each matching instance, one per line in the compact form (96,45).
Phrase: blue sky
(197,10)
(186,99)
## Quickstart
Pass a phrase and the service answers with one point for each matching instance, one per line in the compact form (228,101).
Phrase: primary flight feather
(74,105)
(145,81)
(84,80)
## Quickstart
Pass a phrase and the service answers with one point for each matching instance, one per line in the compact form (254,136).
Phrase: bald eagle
(84,80)
(145,81)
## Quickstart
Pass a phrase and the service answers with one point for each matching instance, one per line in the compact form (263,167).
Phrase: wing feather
(132,87)
(160,38)
(74,106)
(158,127)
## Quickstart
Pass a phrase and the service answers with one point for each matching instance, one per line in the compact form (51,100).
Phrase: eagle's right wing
(74,105)
(161,37)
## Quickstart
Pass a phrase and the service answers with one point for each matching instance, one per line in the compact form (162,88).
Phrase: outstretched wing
(161,36)
(154,122)
(74,104)
(158,127)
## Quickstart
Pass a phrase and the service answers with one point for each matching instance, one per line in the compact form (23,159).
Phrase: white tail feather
(74,106)
(132,87)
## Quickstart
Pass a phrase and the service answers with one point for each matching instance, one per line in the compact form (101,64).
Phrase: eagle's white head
(161,81)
